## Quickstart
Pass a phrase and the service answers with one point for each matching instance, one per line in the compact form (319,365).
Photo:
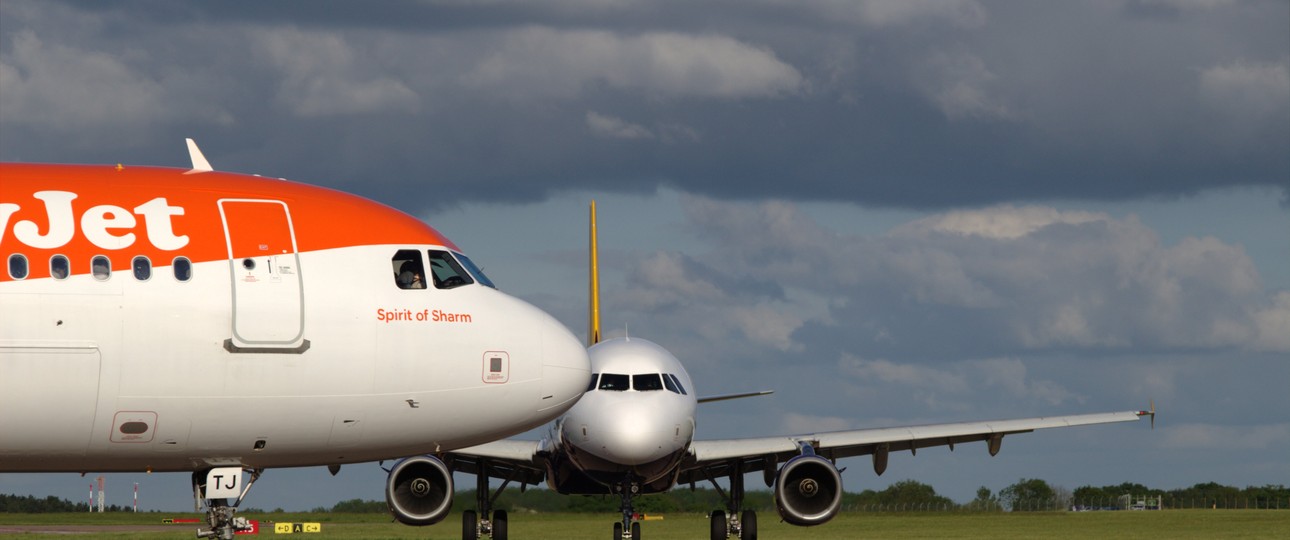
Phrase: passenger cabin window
(101,267)
(18,266)
(647,382)
(592,385)
(59,267)
(475,271)
(142,268)
(183,268)
(409,273)
(615,382)
(446,272)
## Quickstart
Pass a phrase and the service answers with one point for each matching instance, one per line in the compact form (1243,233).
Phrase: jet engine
(419,490)
(808,490)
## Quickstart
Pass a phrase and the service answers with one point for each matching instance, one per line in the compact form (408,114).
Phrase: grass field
(1152,525)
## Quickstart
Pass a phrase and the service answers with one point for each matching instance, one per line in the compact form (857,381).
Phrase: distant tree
(28,504)
(905,494)
(985,500)
(1027,494)
(359,506)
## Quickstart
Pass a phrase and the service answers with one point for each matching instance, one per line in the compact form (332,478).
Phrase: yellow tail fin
(593,268)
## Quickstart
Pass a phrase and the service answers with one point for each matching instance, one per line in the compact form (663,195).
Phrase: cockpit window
(676,380)
(647,382)
(592,386)
(475,271)
(671,386)
(446,272)
(408,271)
(615,382)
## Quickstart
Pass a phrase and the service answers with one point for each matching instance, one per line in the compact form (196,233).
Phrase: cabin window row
(645,382)
(60,267)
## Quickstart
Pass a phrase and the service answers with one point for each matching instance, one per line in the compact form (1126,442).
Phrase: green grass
(993,526)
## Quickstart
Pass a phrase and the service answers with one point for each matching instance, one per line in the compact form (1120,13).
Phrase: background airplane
(159,320)
(632,433)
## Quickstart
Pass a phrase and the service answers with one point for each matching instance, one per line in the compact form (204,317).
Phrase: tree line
(1027,494)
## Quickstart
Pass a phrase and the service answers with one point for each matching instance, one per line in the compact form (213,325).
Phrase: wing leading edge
(714,458)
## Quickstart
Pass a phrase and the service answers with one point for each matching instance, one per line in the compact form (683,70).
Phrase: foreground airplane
(158,319)
(633,433)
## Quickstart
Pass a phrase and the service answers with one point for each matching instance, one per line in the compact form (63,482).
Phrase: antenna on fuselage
(199,160)
(593,286)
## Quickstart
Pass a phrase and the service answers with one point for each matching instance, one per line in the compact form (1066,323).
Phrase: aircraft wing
(715,457)
(518,461)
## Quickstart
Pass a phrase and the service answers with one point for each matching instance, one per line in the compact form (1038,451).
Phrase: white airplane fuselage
(633,424)
(247,322)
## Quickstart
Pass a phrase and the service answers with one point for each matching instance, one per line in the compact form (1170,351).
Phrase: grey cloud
(558,63)
(884,103)
(999,281)
(322,74)
(616,128)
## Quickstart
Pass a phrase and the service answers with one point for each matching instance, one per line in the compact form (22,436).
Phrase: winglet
(1151,413)
(199,161)
(593,278)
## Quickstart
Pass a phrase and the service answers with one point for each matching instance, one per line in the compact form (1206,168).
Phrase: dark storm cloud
(884,103)
(1002,281)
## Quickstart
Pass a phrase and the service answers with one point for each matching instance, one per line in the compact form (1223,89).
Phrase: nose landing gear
(213,488)
(628,528)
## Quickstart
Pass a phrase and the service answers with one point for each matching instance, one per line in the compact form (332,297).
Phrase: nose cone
(566,369)
(636,433)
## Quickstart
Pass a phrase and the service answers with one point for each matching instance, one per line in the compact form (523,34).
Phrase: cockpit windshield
(647,382)
(615,382)
(475,271)
(445,272)
(644,382)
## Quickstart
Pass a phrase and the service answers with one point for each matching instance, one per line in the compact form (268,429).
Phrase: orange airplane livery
(157,319)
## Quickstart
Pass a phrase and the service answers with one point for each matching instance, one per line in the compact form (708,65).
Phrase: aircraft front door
(268,299)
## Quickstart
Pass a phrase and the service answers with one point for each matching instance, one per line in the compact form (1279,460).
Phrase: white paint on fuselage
(640,432)
(78,356)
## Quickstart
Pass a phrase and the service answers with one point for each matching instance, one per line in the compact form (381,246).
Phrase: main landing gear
(739,523)
(473,525)
(213,488)
(628,528)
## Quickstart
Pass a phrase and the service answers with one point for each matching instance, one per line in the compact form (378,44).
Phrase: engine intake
(419,490)
(808,490)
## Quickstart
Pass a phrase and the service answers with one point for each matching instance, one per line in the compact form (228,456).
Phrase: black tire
(469,525)
(636,530)
(719,531)
(749,530)
(499,525)
(618,531)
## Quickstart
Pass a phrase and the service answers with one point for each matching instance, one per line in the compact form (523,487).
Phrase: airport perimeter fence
(1052,505)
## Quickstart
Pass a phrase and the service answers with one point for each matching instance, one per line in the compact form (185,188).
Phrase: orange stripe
(322,218)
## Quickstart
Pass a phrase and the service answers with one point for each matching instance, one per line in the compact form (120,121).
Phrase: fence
(1102,504)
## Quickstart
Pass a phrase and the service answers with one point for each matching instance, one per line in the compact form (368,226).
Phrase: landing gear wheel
(636,530)
(618,531)
(749,528)
(499,525)
(469,525)
(719,525)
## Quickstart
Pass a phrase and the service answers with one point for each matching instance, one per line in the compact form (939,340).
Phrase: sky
(890,212)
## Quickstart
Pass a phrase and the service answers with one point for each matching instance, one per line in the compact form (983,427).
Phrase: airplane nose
(636,436)
(566,369)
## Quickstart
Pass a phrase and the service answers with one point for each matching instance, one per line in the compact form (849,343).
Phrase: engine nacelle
(808,490)
(419,490)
